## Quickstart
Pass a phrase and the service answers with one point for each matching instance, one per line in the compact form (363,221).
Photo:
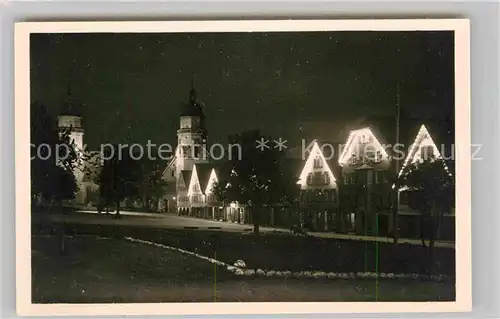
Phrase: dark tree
(152,186)
(431,192)
(119,178)
(259,179)
(53,159)
(53,162)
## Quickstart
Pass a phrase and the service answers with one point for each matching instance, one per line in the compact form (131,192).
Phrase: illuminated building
(365,191)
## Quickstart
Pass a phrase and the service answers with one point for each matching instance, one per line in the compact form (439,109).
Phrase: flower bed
(239,269)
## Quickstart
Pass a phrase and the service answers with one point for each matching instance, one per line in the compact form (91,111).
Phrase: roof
(186,176)
(384,129)
(352,141)
(422,136)
(170,163)
(193,109)
(203,171)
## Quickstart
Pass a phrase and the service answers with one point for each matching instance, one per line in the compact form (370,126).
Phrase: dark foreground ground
(95,269)
(280,251)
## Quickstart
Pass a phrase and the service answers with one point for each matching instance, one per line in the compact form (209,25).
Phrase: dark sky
(287,84)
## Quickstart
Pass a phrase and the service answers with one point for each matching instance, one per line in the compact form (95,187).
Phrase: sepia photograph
(254,165)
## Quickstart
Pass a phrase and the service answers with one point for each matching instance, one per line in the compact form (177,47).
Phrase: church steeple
(70,107)
(193,107)
(191,134)
(192,92)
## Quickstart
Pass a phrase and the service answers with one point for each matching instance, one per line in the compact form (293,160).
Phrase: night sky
(132,86)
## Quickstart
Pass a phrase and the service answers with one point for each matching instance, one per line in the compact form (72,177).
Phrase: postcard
(243,167)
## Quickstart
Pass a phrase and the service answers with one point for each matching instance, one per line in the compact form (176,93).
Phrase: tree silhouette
(152,186)
(259,178)
(53,159)
(431,192)
(119,178)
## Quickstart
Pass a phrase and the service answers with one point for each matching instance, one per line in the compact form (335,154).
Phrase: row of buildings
(350,192)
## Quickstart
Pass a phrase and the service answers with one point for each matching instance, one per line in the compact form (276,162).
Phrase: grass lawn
(114,270)
(285,252)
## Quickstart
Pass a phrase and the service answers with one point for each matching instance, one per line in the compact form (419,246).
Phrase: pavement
(172,221)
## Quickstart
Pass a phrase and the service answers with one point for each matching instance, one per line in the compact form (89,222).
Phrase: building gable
(183,180)
(212,180)
(316,172)
(422,148)
(194,187)
(168,173)
(363,148)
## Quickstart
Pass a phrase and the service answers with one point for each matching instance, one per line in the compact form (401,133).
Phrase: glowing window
(427,152)
(309,179)
(318,163)
(327,178)
(353,160)
(364,138)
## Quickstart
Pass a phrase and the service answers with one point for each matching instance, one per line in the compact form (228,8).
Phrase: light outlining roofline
(193,180)
(310,162)
(350,141)
(412,153)
(169,164)
(211,181)
(346,147)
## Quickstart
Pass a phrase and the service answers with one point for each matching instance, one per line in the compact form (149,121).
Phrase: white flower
(260,272)
(249,272)
(240,264)
(270,273)
(239,272)
(331,275)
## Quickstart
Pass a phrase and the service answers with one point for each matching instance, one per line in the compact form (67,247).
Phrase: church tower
(191,135)
(70,119)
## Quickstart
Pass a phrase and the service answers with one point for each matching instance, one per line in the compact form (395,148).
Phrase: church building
(189,169)
(191,175)
(88,162)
